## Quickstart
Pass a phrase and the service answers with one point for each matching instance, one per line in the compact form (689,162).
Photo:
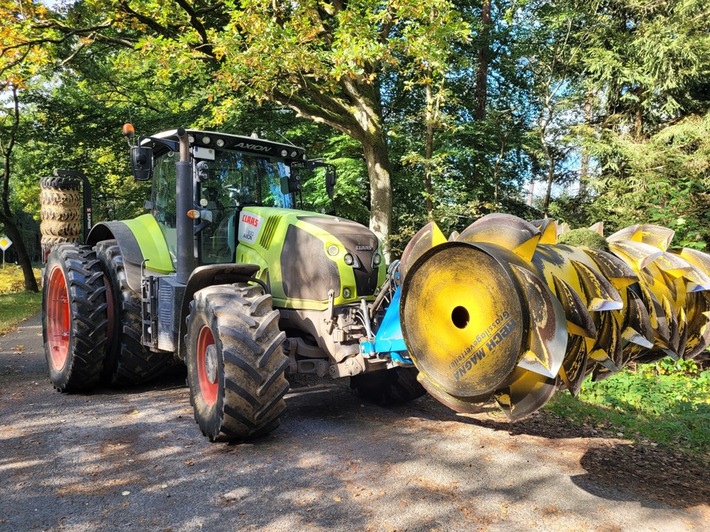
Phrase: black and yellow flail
(504,311)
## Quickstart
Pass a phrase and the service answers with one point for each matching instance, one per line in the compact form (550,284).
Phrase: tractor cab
(230,172)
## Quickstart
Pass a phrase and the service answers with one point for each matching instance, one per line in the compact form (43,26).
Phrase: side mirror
(142,162)
(330,179)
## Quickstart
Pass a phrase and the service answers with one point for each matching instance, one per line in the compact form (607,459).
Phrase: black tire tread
(89,317)
(62,183)
(128,362)
(253,365)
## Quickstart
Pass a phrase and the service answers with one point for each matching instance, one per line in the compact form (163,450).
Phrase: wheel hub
(58,320)
(207,366)
(211,364)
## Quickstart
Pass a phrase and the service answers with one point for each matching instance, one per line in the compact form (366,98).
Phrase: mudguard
(210,275)
(140,240)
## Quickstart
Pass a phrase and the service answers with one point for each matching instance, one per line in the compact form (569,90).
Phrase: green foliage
(667,403)
(663,180)
(584,237)
(349,200)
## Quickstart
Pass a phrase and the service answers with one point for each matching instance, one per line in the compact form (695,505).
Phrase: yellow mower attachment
(506,311)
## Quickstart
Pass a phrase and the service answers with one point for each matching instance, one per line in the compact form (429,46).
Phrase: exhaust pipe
(186,253)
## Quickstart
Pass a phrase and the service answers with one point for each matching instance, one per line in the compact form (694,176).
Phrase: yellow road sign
(5,242)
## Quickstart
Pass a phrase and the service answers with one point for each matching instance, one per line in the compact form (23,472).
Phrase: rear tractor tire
(235,364)
(128,362)
(74,318)
(393,386)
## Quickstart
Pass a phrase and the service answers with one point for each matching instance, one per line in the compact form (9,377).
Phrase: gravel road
(135,460)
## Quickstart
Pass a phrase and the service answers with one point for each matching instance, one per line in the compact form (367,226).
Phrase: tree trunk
(585,158)
(428,153)
(583,172)
(550,179)
(481,93)
(23,258)
(375,151)
(6,216)
(531,192)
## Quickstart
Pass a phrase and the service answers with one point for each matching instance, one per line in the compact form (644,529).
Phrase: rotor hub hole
(460,317)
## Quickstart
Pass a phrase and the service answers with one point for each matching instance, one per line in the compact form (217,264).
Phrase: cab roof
(225,141)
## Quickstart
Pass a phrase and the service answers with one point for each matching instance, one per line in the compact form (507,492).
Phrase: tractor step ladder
(149,312)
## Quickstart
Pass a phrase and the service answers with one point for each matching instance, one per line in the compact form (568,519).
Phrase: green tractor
(226,276)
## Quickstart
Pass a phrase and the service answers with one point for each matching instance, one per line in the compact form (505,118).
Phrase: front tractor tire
(128,362)
(74,318)
(235,364)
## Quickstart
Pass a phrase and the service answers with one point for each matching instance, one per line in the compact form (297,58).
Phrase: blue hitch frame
(389,339)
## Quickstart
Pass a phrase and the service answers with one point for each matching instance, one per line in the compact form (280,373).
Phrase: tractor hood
(304,256)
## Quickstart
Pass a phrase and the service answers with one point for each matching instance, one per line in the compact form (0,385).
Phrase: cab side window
(164,197)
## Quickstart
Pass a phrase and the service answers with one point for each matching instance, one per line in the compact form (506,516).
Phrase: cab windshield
(232,181)
(225,184)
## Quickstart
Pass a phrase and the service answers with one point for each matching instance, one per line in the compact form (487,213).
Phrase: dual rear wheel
(92,321)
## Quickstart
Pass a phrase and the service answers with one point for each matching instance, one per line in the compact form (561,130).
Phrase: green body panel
(264,246)
(152,243)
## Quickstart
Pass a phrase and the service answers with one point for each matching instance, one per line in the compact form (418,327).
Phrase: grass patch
(15,304)
(17,307)
(667,403)
(12,279)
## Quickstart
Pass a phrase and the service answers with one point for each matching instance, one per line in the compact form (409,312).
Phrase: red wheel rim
(58,320)
(207,366)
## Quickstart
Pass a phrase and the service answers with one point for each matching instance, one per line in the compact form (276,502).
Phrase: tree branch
(197,25)
(319,113)
(171,33)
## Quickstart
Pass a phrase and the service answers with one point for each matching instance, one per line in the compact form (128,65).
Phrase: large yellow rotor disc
(462,319)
